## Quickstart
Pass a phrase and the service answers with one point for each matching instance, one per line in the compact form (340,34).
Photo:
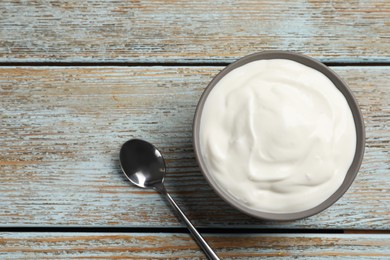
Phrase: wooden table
(79,78)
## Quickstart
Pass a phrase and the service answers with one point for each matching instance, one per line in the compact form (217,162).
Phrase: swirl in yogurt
(277,135)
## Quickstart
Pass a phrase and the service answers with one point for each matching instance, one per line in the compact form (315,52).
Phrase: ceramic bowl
(343,88)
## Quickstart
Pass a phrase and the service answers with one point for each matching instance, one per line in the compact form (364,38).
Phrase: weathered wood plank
(62,127)
(192,31)
(174,246)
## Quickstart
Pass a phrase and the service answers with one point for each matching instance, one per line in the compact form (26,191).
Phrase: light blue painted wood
(62,127)
(174,246)
(192,31)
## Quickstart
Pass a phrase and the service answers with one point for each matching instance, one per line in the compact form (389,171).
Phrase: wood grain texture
(192,31)
(62,127)
(182,246)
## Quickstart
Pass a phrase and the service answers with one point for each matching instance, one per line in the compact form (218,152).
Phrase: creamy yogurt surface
(277,135)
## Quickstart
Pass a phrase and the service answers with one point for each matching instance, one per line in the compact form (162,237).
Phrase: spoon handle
(198,237)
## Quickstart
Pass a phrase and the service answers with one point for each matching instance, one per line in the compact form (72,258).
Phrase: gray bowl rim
(343,88)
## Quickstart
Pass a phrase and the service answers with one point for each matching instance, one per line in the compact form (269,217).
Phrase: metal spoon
(144,166)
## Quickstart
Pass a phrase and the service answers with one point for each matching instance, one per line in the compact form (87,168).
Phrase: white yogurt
(277,135)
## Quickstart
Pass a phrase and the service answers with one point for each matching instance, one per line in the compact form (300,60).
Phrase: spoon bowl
(142,163)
